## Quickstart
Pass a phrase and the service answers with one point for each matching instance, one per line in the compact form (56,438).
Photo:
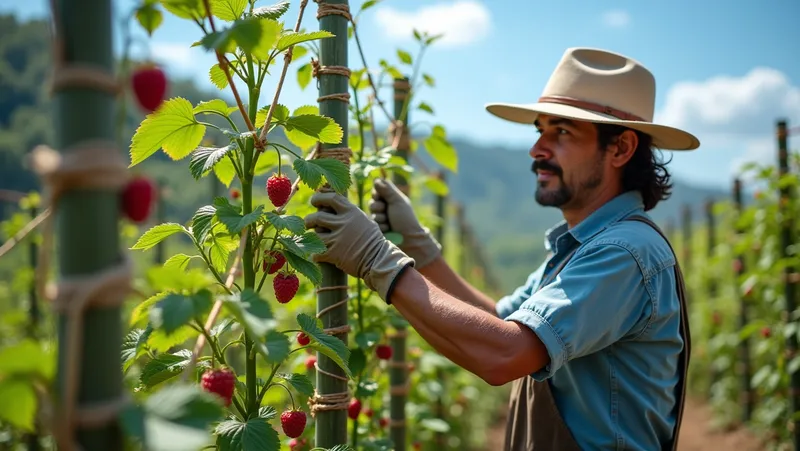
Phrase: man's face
(567,162)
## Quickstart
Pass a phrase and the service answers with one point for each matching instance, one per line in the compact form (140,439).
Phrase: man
(595,342)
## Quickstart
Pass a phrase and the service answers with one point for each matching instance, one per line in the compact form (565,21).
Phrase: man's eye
(562,131)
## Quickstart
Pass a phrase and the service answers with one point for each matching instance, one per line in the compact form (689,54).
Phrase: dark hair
(645,172)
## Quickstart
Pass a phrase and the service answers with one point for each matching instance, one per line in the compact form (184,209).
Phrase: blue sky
(724,70)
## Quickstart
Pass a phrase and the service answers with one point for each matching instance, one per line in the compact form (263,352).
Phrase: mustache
(546,166)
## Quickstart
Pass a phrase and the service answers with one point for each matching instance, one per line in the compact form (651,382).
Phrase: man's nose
(540,150)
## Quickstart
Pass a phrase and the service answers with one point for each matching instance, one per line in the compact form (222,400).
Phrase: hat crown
(604,78)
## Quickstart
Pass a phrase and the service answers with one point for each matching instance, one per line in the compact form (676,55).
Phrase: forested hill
(495,184)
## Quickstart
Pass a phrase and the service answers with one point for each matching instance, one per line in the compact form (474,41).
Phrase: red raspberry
(368,412)
(273,261)
(220,381)
(293,422)
(354,409)
(383,422)
(384,352)
(303,339)
(149,86)
(278,189)
(235,193)
(293,444)
(766,332)
(285,286)
(310,362)
(137,198)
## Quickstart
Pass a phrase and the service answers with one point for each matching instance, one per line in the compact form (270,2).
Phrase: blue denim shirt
(611,324)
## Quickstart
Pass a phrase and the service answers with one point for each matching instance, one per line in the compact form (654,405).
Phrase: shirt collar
(609,213)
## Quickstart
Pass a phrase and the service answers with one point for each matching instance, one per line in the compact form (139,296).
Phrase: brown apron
(538,426)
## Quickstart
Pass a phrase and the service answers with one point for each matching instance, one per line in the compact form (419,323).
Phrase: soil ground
(697,433)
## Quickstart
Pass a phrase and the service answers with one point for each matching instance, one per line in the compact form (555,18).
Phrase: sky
(724,70)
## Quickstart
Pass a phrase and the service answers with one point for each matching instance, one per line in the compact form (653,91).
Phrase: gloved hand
(355,243)
(392,210)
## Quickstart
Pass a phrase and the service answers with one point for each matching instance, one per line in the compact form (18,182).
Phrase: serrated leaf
(140,313)
(132,347)
(216,106)
(275,348)
(304,73)
(300,383)
(437,186)
(307,268)
(229,215)
(292,223)
(165,367)
(280,114)
(159,341)
(149,17)
(220,251)
(225,172)
(217,77)
(303,245)
(328,345)
(202,221)
(228,10)
(185,9)
(253,35)
(272,12)
(19,404)
(172,127)
(253,312)
(291,38)
(176,310)
(254,435)
(321,128)
(157,234)
(180,261)
(404,57)
(442,152)
(336,173)
(205,158)
(28,359)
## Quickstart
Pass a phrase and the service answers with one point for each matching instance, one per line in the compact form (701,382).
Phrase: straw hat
(600,86)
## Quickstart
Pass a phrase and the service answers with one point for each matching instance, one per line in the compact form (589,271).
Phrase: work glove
(392,210)
(355,243)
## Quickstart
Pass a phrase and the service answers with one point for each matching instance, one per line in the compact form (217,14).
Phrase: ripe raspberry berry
(384,352)
(383,422)
(766,332)
(235,193)
(369,412)
(303,339)
(278,189)
(285,286)
(137,198)
(273,261)
(354,409)
(310,362)
(220,381)
(293,423)
(149,86)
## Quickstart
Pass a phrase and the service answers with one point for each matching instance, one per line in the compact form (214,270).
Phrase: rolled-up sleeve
(597,298)
(510,303)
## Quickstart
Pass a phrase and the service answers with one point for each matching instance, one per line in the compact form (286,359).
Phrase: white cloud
(176,55)
(616,19)
(462,22)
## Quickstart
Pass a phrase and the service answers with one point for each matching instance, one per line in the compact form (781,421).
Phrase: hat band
(596,107)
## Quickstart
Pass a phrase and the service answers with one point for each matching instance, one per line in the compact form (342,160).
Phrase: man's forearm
(441,274)
(497,351)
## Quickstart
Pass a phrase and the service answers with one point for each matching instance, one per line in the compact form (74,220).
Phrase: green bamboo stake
(745,370)
(398,372)
(440,375)
(83,103)
(333,73)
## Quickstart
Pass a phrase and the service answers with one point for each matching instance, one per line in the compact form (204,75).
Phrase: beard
(563,194)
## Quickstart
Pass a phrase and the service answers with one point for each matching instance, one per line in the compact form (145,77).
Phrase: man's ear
(623,148)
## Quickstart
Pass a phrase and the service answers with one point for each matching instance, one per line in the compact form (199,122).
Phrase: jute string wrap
(92,164)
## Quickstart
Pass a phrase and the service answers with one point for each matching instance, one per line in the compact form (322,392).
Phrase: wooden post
(440,412)
(331,425)
(747,396)
(787,239)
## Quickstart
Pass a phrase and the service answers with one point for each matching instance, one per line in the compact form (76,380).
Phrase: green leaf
(253,35)
(157,234)
(311,172)
(321,128)
(225,171)
(441,150)
(19,403)
(307,268)
(253,312)
(180,261)
(228,10)
(435,424)
(186,9)
(272,12)
(404,57)
(300,383)
(425,107)
(437,186)
(205,158)
(149,17)
(275,348)
(176,418)
(357,361)
(254,435)
(221,249)
(176,310)
(368,4)
(429,80)
(172,127)
(291,38)
(217,77)
(133,346)
(216,106)
(328,345)
(27,359)
(167,366)
(232,219)
(303,245)
(280,114)
(304,73)
(294,224)
(202,221)
(368,339)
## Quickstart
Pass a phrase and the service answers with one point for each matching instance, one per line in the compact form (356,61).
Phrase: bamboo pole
(440,438)
(744,365)
(34,317)
(334,77)
(787,240)
(398,373)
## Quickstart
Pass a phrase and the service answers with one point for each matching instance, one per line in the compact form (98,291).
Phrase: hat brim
(664,137)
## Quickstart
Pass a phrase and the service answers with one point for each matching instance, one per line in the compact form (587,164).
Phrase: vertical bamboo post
(440,375)
(85,221)
(787,239)
(333,16)
(398,373)
(34,316)
(745,371)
